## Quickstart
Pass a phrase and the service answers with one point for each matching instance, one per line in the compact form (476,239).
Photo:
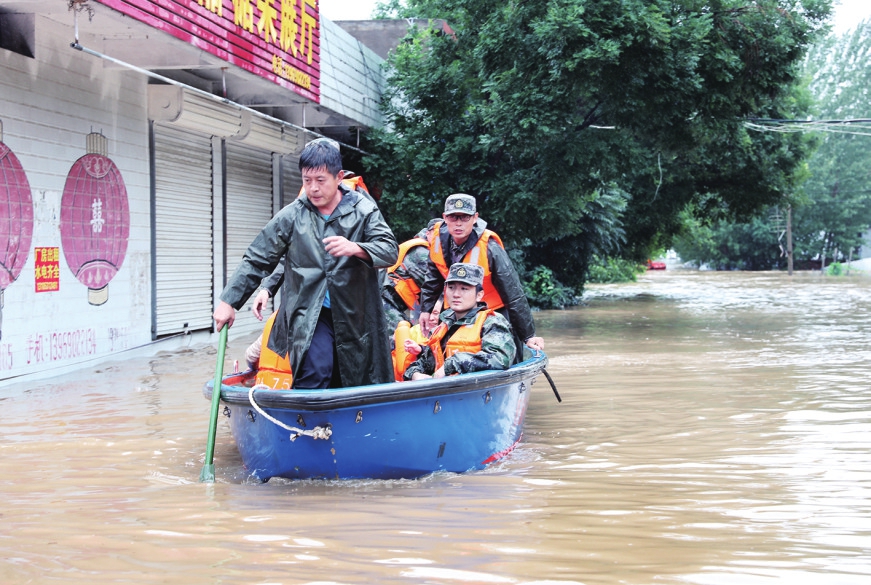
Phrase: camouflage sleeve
(414,265)
(497,349)
(394,309)
(424,364)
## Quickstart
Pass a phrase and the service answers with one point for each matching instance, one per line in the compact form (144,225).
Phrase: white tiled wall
(48,105)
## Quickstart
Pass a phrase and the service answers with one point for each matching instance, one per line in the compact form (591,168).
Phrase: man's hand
(342,246)
(420,376)
(428,323)
(535,343)
(260,302)
(224,314)
(439,373)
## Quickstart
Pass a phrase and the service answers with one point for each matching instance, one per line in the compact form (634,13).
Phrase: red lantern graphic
(95,219)
(16,219)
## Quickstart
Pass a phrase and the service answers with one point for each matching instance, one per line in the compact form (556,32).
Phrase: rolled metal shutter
(249,208)
(183,237)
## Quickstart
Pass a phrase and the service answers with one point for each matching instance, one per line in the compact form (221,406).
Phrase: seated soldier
(469,338)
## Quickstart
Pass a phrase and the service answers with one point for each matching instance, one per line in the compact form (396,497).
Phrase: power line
(795,121)
(855,127)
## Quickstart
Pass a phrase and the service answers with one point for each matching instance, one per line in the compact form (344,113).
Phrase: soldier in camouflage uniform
(464,237)
(470,337)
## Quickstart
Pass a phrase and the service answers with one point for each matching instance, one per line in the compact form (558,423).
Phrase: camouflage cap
(432,223)
(460,203)
(467,273)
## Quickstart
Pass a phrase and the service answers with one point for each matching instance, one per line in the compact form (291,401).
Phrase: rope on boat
(315,433)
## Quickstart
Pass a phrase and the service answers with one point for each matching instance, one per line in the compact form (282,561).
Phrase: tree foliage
(608,270)
(731,245)
(836,209)
(586,127)
(833,208)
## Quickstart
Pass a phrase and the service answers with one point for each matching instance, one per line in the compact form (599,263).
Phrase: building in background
(382,36)
(143,145)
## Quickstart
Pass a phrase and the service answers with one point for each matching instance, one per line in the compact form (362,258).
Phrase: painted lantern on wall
(16,219)
(95,219)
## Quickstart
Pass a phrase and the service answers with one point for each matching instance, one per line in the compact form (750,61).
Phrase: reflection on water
(715,428)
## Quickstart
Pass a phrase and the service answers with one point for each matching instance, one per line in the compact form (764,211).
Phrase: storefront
(143,144)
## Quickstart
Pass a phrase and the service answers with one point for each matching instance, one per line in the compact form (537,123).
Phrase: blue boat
(383,431)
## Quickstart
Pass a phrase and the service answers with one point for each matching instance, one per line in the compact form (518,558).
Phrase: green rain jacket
(296,235)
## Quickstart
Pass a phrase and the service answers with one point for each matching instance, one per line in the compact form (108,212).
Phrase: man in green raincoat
(332,241)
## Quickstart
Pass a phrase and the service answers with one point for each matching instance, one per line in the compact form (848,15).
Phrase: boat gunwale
(334,399)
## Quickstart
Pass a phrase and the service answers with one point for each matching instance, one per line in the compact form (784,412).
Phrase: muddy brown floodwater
(715,429)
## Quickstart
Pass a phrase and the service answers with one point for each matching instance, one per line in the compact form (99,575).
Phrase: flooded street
(715,429)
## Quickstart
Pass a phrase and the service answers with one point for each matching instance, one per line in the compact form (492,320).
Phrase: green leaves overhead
(584,125)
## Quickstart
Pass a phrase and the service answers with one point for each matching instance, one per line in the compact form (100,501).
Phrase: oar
(208,472)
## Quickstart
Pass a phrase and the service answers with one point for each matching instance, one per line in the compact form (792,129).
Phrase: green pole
(208,472)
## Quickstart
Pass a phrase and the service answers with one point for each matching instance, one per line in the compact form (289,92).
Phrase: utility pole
(789,239)
(781,228)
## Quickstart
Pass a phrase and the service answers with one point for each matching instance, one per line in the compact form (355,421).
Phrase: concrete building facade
(140,155)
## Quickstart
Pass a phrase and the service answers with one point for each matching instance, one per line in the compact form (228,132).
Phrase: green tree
(836,209)
(731,245)
(587,126)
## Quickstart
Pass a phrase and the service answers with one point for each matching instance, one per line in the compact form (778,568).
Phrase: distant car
(655,265)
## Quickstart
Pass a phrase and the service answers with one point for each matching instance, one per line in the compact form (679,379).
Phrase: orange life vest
(467,338)
(401,358)
(477,255)
(273,370)
(406,288)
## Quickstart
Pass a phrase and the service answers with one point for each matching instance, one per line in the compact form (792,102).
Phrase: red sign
(46,269)
(275,39)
